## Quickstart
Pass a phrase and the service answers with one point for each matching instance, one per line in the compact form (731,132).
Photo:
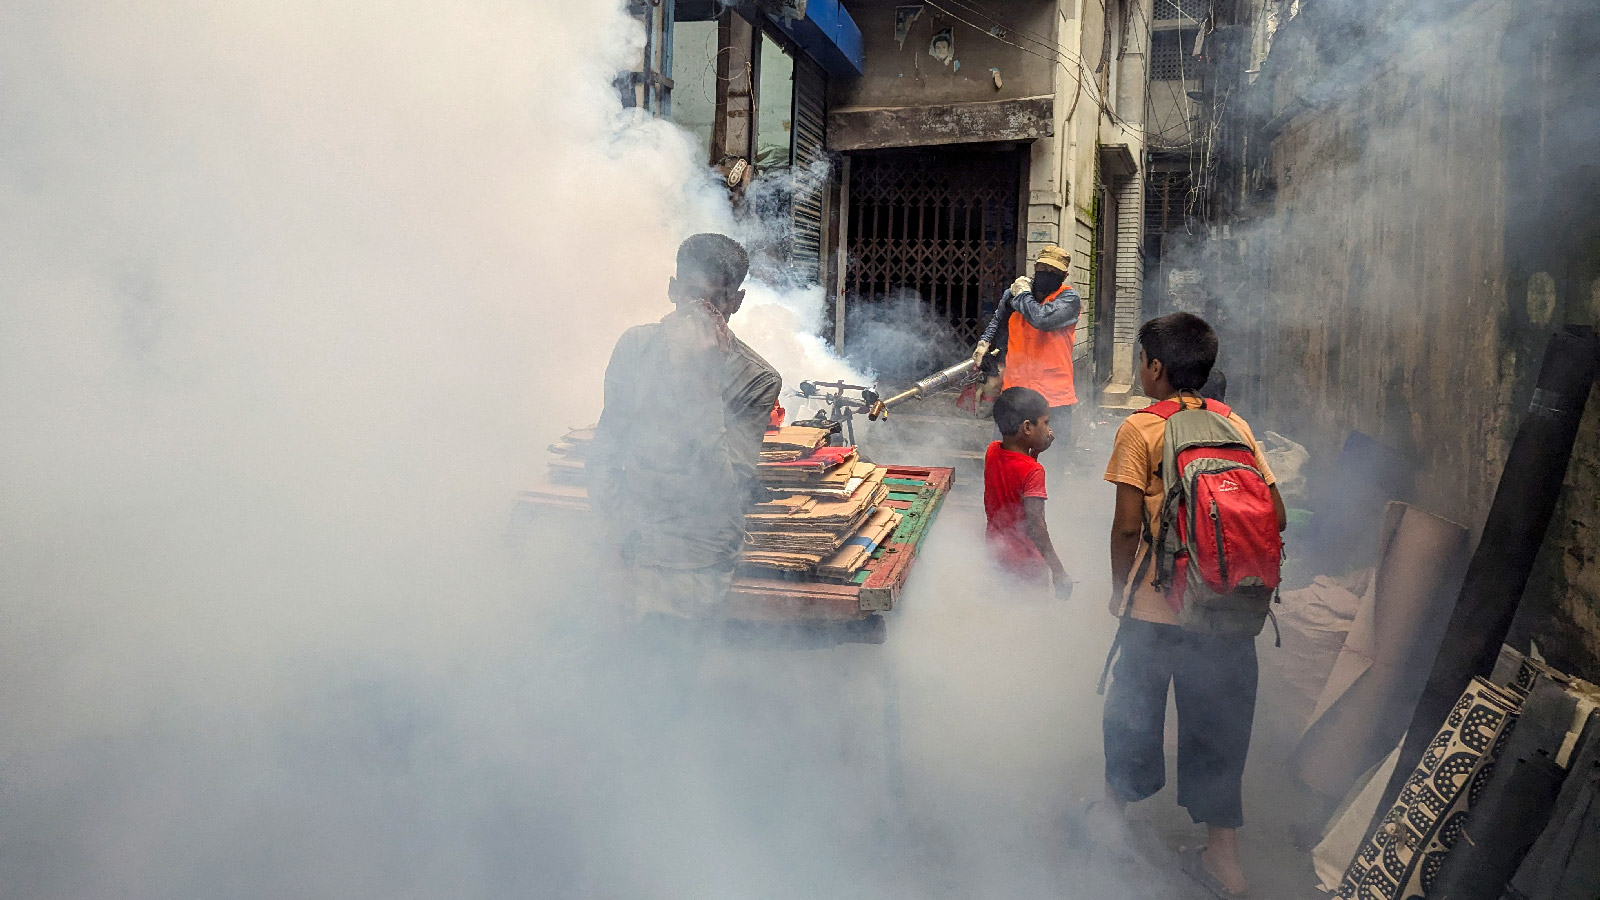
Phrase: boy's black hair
(715,260)
(1017,405)
(1186,346)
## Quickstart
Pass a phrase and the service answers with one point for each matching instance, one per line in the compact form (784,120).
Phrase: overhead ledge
(881,127)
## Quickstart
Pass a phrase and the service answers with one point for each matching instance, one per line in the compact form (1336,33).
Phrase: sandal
(1193,865)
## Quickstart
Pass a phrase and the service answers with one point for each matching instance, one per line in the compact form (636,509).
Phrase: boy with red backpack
(1195,555)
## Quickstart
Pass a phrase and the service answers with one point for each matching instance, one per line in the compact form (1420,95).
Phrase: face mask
(1047,282)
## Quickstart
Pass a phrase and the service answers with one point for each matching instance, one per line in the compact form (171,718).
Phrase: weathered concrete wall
(1389,287)
(1562,606)
(1082,135)
(907,75)
(1386,276)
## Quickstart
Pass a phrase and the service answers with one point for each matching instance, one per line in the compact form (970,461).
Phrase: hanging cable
(1057,57)
(1034,35)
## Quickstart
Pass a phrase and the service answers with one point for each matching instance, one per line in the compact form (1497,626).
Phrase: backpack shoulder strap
(1166,409)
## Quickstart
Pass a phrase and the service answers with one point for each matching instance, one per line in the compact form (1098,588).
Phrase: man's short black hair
(1017,405)
(1186,346)
(716,260)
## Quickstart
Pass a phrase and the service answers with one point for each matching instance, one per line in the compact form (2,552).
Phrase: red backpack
(1217,550)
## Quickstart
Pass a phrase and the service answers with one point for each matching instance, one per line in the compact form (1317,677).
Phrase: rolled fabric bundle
(1515,804)
(1414,835)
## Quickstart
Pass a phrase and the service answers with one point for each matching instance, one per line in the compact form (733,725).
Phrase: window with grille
(1166,207)
(1189,10)
(1169,59)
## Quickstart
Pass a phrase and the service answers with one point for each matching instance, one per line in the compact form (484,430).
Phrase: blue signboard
(828,34)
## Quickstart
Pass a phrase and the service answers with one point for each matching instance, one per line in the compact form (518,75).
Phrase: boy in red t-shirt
(1013,489)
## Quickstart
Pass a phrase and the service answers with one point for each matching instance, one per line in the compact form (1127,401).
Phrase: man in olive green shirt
(673,466)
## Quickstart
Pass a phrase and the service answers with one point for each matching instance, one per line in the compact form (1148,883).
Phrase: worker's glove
(1063,586)
(1023,285)
(981,352)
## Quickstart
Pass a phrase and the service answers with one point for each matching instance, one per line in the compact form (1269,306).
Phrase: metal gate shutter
(940,223)
(810,172)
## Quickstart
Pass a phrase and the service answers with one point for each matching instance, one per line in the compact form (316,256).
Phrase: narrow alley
(800,449)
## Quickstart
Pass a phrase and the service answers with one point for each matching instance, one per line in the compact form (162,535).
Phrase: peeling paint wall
(1562,609)
(909,75)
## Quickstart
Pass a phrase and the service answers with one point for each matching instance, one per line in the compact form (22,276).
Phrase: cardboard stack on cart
(567,457)
(834,539)
(822,512)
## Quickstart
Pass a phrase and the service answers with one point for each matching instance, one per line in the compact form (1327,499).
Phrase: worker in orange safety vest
(1034,327)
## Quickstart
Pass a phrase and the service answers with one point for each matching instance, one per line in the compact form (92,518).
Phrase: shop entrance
(938,223)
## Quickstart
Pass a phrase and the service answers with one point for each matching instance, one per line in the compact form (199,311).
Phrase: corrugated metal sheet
(810,168)
(1130,278)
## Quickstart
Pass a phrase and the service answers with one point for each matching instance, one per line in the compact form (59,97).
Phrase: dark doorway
(938,223)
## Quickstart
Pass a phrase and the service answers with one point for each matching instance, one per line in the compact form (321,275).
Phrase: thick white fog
(294,295)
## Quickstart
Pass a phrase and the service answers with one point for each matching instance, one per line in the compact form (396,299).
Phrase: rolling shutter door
(810,172)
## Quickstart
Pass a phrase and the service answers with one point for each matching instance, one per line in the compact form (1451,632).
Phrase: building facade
(932,148)
(979,133)
(750,81)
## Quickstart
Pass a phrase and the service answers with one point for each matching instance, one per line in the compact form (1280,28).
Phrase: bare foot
(1225,868)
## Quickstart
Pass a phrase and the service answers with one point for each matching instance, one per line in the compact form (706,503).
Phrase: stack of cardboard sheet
(567,456)
(791,443)
(799,540)
(807,470)
(821,503)
(853,555)
(824,517)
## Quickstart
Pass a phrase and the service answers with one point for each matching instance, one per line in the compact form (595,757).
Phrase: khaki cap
(1054,257)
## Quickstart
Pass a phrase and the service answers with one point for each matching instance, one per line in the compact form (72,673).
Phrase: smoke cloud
(295,294)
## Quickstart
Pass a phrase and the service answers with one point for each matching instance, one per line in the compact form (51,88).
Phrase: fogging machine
(844,401)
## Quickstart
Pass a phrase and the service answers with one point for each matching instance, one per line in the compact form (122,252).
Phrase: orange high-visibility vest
(1041,360)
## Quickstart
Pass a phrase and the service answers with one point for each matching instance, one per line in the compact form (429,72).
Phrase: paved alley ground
(1005,687)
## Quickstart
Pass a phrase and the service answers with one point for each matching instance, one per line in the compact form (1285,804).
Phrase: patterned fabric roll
(1404,855)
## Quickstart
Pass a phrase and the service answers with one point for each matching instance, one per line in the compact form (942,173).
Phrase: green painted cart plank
(914,522)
